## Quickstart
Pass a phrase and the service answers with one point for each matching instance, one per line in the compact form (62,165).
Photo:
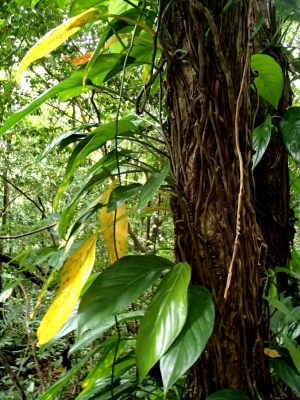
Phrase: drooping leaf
(164,318)
(293,350)
(54,38)
(151,186)
(270,81)
(260,140)
(286,371)
(115,233)
(289,126)
(73,277)
(228,394)
(192,339)
(121,194)
(117,287)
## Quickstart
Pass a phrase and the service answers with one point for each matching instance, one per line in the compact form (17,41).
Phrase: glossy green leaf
(286,371)
(102,327)
(289,126)
(192,339)
(151,186)
(260,140)
(281,307)
(117,287)
(228,394)
(164,318)
(121,194)
(270,81)
(293,350)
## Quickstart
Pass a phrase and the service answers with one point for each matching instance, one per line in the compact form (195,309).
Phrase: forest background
(59,161)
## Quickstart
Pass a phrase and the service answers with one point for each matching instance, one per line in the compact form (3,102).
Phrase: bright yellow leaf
(54,38)
(74,274)
(115,233)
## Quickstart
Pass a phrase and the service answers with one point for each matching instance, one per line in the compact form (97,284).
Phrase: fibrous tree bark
(212,111)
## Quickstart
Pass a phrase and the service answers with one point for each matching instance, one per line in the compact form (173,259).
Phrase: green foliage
(141,309)
(269,82)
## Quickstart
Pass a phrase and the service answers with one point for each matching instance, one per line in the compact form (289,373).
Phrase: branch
(28,275)
(135,240)
(27,233)
(13,376)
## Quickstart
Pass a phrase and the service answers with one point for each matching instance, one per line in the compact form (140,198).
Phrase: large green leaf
(286,372)
(290,130)
(270,81)
(151,186)
(164,318)
(117,287)
(192,339)
(228,394)
(260,140)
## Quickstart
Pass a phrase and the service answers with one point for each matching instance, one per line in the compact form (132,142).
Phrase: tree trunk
(212,112)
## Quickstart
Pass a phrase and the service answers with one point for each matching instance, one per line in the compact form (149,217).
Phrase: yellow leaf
(74,274)
(54,38)
(115,233)
(80,60)
(271,353)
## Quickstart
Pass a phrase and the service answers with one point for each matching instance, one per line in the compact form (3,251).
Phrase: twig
(13,377)
(27,233)
(136,241)
(24,194)
(35,359)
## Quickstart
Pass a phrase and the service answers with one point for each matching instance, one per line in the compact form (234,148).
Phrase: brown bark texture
(212,111)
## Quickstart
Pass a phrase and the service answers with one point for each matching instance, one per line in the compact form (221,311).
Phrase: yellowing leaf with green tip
(54,38)
(115,233)
(74,274)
